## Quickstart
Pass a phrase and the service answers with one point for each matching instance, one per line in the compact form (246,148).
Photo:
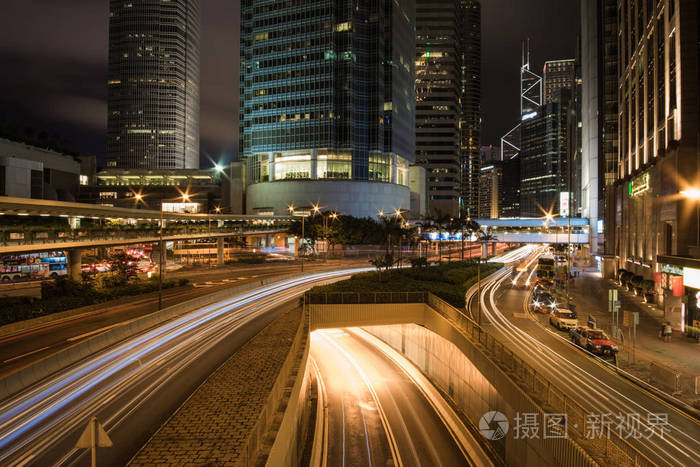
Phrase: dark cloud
(53,57)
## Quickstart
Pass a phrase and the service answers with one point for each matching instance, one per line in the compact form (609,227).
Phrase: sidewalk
(590,293)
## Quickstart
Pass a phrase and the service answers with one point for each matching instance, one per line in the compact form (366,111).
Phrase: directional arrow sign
(93,436)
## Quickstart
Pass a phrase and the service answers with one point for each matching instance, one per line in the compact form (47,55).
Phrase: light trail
(62,401)
(598,395)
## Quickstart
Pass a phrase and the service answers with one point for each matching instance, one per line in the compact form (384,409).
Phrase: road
(599,389)
(376,413)
(17,351)
(132,386)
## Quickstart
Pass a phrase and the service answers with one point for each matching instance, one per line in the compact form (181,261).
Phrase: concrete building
(153,84)
(327,104)
(599,68)
(418,184)
(32,172)
(656,208)
(448,94)
(490,153)
(557,75)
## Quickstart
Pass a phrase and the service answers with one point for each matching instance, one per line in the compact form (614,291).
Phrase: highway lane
(19,350)
(599,390)
(376,414)
(127,385)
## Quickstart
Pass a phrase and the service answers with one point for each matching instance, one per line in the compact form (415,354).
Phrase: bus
(545,267)
(33,266)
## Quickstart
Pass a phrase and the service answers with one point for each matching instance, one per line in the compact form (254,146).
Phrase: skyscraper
(448,94)
(557,74)
(153,84)
(544,158)
(327,105)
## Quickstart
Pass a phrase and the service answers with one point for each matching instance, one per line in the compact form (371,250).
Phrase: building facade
(31,172)
(153,84)
(655,213)
(557,75)
(544,159)
(599,68)
(490,187)
(448,95)
(172,190)
(327,105)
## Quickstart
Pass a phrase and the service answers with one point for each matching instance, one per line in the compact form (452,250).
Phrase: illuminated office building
(153,84)
(448,95)
(327,104)
(556,75)
(655,208)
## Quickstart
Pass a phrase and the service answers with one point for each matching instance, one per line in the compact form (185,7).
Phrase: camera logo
(493,425)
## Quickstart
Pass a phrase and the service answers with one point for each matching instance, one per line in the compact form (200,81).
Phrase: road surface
(132,386)
(602,393)
(376,414)
(17,351)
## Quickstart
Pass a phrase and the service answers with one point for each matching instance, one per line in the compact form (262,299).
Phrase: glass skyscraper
(153,84)
(327,105)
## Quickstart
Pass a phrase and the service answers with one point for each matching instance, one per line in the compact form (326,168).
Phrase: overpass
(533,230)
(32,225)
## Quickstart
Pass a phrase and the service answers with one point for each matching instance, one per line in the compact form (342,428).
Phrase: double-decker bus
(33,266)
(545,267)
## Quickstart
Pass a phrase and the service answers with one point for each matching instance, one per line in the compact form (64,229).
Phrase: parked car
(594,340)
(563,319)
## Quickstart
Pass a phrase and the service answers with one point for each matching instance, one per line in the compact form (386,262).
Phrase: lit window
(83,179)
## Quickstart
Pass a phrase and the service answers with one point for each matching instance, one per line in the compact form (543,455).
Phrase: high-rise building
(471,106)
(656,205)
(599,68)
(327,104)
(490,186)
(153,84)
(557,74)
(448,95)
(490,153)
(544,158)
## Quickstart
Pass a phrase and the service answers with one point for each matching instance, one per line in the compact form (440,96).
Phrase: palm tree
(439,220)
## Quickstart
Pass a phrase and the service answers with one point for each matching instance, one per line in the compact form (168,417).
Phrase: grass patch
(449,281)
(66,295)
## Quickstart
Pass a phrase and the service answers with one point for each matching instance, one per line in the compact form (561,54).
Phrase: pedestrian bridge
(533,230)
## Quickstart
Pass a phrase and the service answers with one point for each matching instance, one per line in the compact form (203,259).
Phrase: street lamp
(303,215)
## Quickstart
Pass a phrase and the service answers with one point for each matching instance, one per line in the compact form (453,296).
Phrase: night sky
(53,66)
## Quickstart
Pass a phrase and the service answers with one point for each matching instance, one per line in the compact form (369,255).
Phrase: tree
(123,266)
(383,262)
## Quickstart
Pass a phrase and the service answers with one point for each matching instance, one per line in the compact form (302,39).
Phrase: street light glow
(691,193)
(218,167)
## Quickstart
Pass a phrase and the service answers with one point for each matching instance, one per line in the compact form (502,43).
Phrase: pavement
(590,292)
(212,426)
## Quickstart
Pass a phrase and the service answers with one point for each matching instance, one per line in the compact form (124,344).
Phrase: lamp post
(161,266)
(303,215)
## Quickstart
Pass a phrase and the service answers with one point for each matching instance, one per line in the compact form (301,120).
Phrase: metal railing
(368,298)
(615,449)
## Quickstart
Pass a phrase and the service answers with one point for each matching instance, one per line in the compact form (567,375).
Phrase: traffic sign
(93,436)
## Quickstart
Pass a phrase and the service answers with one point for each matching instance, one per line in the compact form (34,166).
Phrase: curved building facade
(326,101)
(153,82)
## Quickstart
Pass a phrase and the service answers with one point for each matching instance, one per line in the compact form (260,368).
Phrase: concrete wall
(18,176)
(357,198)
